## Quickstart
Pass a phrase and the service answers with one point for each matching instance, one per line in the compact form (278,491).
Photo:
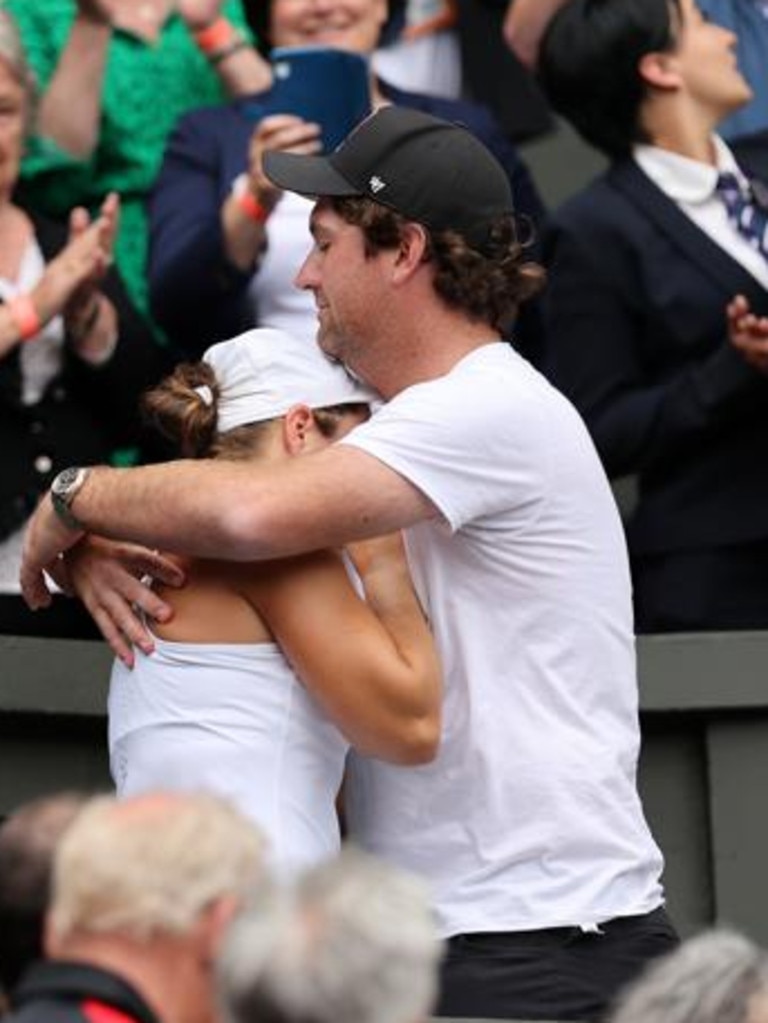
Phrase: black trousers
(561,973)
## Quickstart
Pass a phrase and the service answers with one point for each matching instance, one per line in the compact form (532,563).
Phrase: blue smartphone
(321,84)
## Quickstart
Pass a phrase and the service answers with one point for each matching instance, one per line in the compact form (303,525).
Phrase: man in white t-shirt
(528,825)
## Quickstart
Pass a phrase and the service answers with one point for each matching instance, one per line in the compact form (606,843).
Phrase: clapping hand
(198,13)
(748,333)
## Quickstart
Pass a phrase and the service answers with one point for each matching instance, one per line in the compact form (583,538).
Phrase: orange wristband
(247,201)
(252,208)
(24,315)
(217,36)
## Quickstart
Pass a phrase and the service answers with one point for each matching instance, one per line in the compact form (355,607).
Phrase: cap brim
(307,175)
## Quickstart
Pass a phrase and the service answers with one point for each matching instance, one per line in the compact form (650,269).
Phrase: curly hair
(488,286)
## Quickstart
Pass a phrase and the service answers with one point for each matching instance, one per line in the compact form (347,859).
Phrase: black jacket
(85,413)
(636,331)
(64,992)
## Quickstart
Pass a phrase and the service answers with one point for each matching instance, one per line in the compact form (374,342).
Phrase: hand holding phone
(320,84)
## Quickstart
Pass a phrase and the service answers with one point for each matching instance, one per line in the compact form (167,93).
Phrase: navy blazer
(195,292)
(637,338)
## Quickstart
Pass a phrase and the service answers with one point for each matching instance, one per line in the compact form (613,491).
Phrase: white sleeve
(470,453)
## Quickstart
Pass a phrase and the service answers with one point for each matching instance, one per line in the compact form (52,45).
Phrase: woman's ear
(659,70)
(299,429)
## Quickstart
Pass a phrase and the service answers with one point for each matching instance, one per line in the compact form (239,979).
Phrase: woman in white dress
(267,672)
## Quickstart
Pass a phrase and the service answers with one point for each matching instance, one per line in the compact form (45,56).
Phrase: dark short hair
(486,286)
(588,65)
(28,839)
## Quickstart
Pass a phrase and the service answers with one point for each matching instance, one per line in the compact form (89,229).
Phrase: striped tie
(748,212)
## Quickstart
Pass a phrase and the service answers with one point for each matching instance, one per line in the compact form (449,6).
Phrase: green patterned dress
(147,87)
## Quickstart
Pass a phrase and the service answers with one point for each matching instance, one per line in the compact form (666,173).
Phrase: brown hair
(487,286)
(183,415)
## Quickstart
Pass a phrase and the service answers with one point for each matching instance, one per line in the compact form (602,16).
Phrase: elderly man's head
(353,941)
(147,887)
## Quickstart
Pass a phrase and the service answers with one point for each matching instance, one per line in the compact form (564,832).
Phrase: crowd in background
(133,137)
(140,227)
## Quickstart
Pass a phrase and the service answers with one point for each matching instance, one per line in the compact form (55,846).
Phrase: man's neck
(157,969)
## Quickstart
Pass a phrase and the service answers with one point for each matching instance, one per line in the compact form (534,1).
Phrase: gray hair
(352,941)
(14,57)
(152,864)
(712,978)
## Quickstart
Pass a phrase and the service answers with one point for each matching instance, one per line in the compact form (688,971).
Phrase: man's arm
(234,510)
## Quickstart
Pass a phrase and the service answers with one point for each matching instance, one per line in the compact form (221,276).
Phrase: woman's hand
(748,333)
(76,271)
(278,133)
(109,579)
(198,13)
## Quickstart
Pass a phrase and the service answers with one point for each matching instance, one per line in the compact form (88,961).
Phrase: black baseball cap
(429,170)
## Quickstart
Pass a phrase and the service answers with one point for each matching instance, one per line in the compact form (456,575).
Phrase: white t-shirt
(529,817)
(231,718)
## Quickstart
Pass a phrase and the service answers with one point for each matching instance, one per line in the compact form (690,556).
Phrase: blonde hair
(153,863)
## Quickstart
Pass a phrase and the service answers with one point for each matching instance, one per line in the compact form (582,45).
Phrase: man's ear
(213,924)
(411,251)
(659,70)
(298,428)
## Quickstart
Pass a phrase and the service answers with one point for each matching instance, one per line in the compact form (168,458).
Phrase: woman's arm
(371,664)
(70,108)
(238,64)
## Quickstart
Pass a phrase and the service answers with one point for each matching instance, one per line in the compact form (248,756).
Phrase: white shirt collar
(684,180)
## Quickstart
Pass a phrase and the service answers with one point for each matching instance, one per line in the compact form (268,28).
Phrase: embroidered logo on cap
(376,184)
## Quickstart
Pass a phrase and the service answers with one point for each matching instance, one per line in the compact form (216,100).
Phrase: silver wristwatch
(64,489)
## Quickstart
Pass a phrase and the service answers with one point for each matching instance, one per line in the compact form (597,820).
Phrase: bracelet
(247,201)
(216,37)
(235,47)
(24,315)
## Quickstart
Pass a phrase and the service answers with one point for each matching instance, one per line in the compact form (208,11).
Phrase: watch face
(65,479)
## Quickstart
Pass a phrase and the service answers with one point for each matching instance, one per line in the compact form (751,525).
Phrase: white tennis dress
(233,719)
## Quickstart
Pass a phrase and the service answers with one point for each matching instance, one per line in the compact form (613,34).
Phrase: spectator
(420,49)
(352,941)
(748,20)
(717,977)
(527,825)
(73,353)
(28,839)
(493,73)
(143,892)
(524,25)
(210,274)
(115,75)
(251,690)
(643,266)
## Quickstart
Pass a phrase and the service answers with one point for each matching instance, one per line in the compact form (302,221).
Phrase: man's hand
(45,539)
(108,577)
(748,333)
